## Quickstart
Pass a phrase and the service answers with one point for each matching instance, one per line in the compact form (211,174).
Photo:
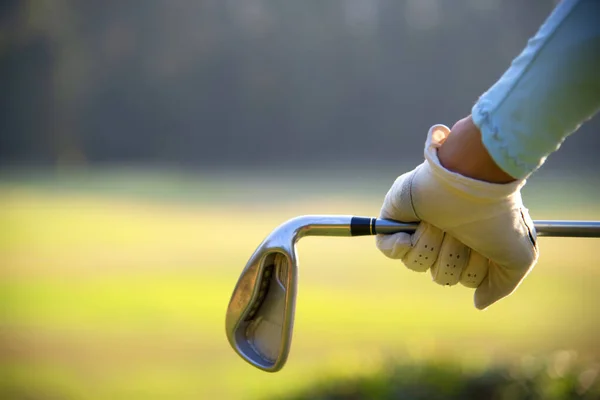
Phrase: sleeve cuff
(504,150)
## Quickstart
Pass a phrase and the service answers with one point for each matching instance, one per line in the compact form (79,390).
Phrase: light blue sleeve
(550,89)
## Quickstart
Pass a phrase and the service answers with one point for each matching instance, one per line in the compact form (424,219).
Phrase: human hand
(473,232)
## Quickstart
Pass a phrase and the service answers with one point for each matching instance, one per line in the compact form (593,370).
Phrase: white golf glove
(473,232)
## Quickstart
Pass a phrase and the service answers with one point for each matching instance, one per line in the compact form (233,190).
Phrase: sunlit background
(147,147)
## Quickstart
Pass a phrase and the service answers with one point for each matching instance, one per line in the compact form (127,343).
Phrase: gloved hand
(473,232)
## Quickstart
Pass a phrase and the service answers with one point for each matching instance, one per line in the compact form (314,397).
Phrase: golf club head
(260,316)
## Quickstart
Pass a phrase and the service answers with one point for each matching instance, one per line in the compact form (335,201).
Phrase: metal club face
(260,315)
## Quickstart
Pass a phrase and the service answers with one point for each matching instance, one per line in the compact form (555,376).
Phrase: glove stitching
(410,193)
(529,232)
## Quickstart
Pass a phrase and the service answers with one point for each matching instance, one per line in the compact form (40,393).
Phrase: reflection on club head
(260,315)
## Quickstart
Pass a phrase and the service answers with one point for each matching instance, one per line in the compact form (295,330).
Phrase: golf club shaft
(545,228)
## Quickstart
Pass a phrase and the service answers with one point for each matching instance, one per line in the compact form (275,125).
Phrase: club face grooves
(263,290)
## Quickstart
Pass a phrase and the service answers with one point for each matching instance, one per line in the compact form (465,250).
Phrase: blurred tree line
(246,82)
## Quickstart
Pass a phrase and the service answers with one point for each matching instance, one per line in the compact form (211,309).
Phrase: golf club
(260,315)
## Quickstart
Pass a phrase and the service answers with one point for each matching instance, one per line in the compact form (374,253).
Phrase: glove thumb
(397,205)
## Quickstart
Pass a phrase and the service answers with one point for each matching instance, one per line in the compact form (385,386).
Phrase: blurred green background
(115,285)
(147,148)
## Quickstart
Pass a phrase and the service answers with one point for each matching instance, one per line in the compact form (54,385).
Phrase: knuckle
(425,248)
(451,262)
(475,271)
(444,277)
(417,260)
(389,245)
(473,279)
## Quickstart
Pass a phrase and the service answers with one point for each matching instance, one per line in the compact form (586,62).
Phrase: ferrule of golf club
(260,315)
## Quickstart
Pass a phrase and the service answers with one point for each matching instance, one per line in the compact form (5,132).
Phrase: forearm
(464,153)
(550,89)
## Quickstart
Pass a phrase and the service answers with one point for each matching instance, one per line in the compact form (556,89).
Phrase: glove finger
(475,271)
(426,242)
(499,283)
(452,259)
(394,246)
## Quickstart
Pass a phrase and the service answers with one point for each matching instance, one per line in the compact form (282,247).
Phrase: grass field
(106,295)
